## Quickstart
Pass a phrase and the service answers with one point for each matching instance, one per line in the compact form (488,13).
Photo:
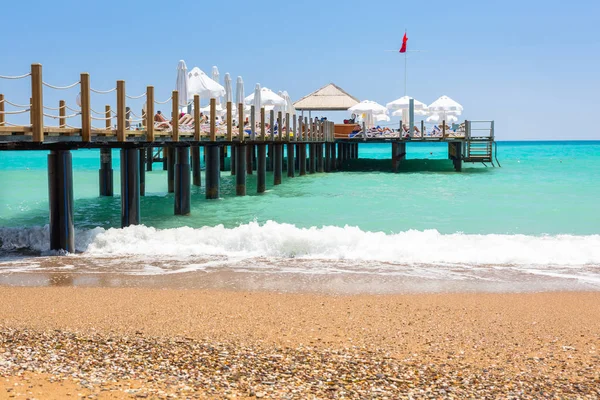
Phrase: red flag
(404,40)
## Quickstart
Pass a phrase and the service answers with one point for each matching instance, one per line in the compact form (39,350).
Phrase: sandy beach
(137,343)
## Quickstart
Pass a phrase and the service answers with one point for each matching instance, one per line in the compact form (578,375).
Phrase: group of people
(185,119)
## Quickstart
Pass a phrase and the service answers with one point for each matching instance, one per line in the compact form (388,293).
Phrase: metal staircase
(481,147)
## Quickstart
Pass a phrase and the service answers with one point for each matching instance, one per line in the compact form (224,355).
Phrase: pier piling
(277,163)
(261,169)
(213,173)
(142,158)
(182,181)
(312,159)
(149,158)
(249,158)
(130,187)
(455,154)
(197,177)
(240,164)
(290,161)
(320,165)
(106,172)
(170,152)
(60,196)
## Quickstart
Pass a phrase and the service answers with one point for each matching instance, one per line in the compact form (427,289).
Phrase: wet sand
(298,345)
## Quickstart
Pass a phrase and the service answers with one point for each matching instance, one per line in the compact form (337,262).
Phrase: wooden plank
(175,116)
(121,111)
(229,121)
(37,103)
(86,119)
(213,117)
(150,114)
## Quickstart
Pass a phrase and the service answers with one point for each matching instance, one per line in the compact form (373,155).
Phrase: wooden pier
(311,147)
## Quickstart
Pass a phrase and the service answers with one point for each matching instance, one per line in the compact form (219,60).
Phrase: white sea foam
(276,240)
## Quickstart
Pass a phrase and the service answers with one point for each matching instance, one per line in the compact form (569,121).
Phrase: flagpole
(405,73)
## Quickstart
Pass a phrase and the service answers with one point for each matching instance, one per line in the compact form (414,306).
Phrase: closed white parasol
(182,83)
(201,84)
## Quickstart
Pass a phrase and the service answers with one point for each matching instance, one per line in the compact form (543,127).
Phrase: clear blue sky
(525,64)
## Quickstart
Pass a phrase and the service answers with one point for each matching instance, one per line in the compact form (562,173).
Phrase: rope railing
(100,129)
(15,112)
(135,97)
(9,124)
(102,112)
(61,87)
(15,104)
(103,91)
(71,126)
(135,115)
(61,116)
(136,120)
(15,77)
(72,109)
(101,119)
(55,108)
(164,102)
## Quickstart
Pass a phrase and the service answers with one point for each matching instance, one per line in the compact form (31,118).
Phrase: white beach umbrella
(403,104)
(289,108)
(368,106)
(445,105)
(433,119)
(216,78)
(257,100)
(182,83)
(201,84)
(239,91)
(228,89)
(267,97)
(381,118)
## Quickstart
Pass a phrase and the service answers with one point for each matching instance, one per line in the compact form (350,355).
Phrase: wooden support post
(394,156)
(263,130)
(170,153)
(142,171)
(302,158)
(108,114)
(320,160)
(327,166)
(165,159)
(183,203)
(290,160)
(277,161)
(240,165)
(37,104)
(312,158)
(261,168)
(2,119)
(60,196)
(232,159)
(455,154)
(175,116)
(62,113)
(106,172)
(333,159)
(306,130)
(213,173)
(149,158)
(213,121)
(241,133)
(253,124)
(222,155)
(150,120)
(229,123)
(197,132)
(121,111)
(279,126)
(249,158)
(86,112)
(340,155)
(130,187)
(288,133)
(197,178)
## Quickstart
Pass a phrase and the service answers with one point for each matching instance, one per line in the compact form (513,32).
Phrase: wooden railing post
(262,124)
(288,134)
(108,116)
(2,120)
(272,120)
(150,114)
(253,124)
(175,116)
(279,126)
(62,112)
(229,122)
(86,119)
(241,122)
(213,117)
(197,127)
(121,111)
(37,104)
(295,138)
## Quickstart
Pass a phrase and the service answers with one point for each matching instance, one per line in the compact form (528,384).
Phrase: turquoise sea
(535,218)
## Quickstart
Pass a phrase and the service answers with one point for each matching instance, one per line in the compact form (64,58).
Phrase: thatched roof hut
(328,98)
